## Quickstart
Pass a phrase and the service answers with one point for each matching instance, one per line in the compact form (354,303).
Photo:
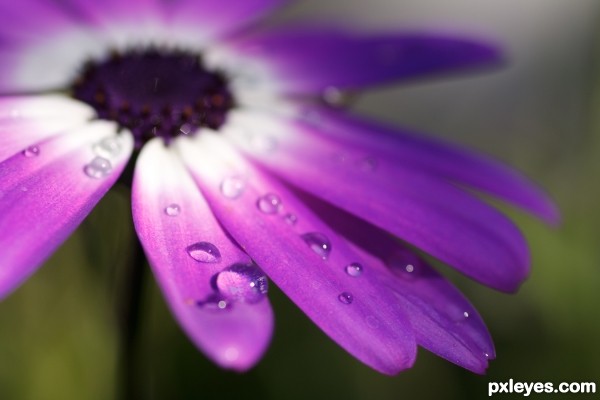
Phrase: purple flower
(248,164)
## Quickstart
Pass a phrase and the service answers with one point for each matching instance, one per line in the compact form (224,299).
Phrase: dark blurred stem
(128,306)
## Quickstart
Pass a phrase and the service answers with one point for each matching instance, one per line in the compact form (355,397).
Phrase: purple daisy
(242,161)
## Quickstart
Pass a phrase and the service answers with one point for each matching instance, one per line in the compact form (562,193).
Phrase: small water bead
(346,298)
(354,269)
(108,148)
(215,303)
(405,264)
(466,314)
(173,210)
(233,187)
(98,168)
(204,252)
(318,243)
(290,218)
(31,151)
(242,282)
(269,203)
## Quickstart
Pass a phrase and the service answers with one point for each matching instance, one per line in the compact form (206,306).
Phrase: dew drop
(346,298)
(269,203)
(405,264)
(233,187)
(173,210)
(290,218)
(354,269)
(204,252)
(486,355)
(107,148)
(242,282)
(98,168)
(215,303)
(318,243)
(31,151)
(466,314)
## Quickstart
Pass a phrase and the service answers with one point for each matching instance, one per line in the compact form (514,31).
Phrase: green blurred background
(58,335)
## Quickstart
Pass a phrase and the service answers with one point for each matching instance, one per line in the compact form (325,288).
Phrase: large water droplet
(318,243)
(346,298)
(354,269)
(31,151)
(242,282)
(173,210)
(98,168)
(204,252)
(109,147)
(233,187)
(269,203)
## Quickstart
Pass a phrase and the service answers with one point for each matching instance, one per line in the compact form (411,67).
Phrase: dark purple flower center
(155,93)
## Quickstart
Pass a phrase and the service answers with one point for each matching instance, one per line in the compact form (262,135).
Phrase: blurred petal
(433,215)
(45,196)
(438,158)
(25,121)
(302,256)
(312,59)
(170,215)
(444,321)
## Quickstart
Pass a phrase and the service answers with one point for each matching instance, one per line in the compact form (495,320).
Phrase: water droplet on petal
(466,314)
(204,252)
(31,151)
(346,298)
(108,147)
(242,282)
(354,269)
(405,264)
(233,187)
(215,303)
(291,219)
(486,355)
(318,243)
(98,168)
(173,210)
(269,203)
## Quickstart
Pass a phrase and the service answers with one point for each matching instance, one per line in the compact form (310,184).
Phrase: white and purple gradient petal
(46,194)
(302,255)
(25,121)
(171,217)
(429,213)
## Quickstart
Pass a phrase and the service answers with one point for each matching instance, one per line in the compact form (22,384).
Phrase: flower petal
(304,257)
(431,214)
(312,59)
(26,121)
(438,158)
(217,18)
(444,321)
(170,215)
(44,197)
